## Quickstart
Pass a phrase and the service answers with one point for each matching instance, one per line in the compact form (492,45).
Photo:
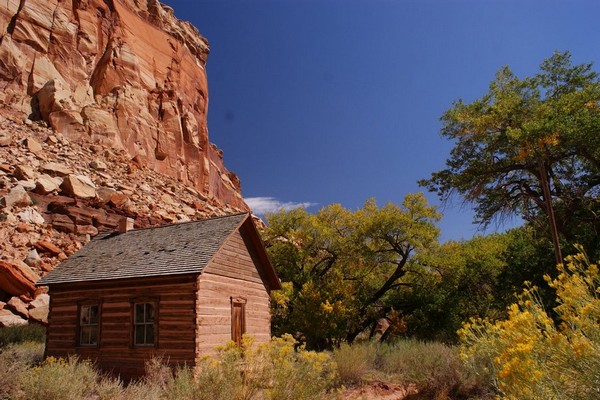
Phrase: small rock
(79,186)
(45,246)
(86,230)
(31,216)
(168,199)
(28,184)
(33,145)
(16,197)
(57,168)
(24,172)
(98,165)
(52,140)
(33,259)
(5,139)
(46,184)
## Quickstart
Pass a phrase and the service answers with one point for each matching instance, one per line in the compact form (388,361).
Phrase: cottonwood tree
(340,268)
(529,147)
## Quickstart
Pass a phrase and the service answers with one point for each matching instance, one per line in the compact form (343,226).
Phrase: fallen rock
(7,318)
(31,216)
(48,247)
(5,139)
(98,165)
(63,223)
(57,169)
(46,184)
(16,197)
(41,300)
(33,145)
(18,306)
(79,186)
(33,259)
(24,172)
(16,278)
(39,314)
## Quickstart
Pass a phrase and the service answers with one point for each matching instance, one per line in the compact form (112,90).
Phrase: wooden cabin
(176,291)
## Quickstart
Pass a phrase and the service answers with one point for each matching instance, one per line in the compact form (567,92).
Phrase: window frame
(153,301)
(80,325)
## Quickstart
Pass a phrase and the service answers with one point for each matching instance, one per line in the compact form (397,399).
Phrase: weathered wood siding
(232,273)
(176,318)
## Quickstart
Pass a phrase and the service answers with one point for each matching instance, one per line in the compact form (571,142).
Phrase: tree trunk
(550,211)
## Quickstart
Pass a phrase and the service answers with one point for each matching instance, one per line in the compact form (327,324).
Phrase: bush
(15,359)
(23,333)
(355,361)
(529,355)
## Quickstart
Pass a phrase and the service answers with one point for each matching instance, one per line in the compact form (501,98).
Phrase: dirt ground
(377,391)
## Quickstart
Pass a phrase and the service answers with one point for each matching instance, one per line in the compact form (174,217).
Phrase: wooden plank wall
(232,273)
(176,331)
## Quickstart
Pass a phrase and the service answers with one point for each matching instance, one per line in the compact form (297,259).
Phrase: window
(238,319)
(143,324)
(89,316)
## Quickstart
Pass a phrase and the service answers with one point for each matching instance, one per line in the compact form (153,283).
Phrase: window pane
(149,312)
(93,335)
(139,334)
(85,315)
(150,334)
(139,313)
(84,338)
(93,311)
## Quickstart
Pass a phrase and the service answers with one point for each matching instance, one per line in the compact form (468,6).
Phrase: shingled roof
(184,248)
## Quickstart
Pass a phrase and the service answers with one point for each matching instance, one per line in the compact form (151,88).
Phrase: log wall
(116,353)
(231,274)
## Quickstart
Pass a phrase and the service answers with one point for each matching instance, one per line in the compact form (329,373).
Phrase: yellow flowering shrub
(529,355)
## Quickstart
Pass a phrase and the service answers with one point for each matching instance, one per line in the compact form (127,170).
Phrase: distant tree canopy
(341,268)
(529,147)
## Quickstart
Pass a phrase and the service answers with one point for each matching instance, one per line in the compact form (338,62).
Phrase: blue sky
(336,101)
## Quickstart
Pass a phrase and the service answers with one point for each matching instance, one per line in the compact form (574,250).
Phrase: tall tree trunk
(550,210)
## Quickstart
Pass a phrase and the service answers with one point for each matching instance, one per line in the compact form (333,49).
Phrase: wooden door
(238,320)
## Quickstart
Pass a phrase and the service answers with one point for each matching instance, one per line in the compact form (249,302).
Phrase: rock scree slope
(103,109)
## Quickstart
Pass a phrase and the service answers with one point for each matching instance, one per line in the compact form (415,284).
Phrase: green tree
(528,147)
(340,268)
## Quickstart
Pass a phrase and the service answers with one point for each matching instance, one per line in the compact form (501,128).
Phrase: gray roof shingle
(184,248)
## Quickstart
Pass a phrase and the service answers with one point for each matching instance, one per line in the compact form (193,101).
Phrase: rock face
(126,74)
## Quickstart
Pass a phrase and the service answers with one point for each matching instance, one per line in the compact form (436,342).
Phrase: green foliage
(340,268)
(521,131)
(22,333)
(529,355)
(463,282)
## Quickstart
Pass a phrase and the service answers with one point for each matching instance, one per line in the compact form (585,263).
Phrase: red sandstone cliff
(123,73)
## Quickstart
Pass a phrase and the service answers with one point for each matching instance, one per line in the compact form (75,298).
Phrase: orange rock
(127,74)
(45,246)
(17,279)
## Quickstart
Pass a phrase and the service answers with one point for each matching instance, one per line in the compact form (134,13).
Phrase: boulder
(79,186)
(33,259)
(48,247)
(17,278)
(16,197)
(24,172)
(41,300)
(31,216)
(55,168)
(39,314)
(7,318)
(18,306)
(46,184)
(33,145)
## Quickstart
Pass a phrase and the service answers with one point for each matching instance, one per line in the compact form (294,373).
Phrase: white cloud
(262,205)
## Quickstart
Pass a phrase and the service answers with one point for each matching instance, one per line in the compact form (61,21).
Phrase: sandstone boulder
(7,318)
(55,168)
(18,306)
(46,184)
(17,278)
(16,197)
(79,186)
